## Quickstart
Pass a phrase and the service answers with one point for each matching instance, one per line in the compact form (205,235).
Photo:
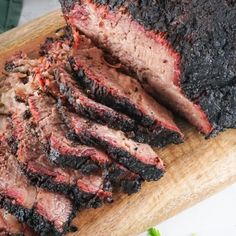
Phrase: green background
(10,11)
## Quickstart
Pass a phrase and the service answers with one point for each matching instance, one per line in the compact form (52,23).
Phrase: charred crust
(66,160)
(113,121)
(13,144)
(64,34)
(152,134)
(9,66)
(157,138)
(26,115)
(146,171)
(38,223)
(204,36)
(73,229)
(81,199)
(19,99)
(84,164)
(90,167)
(19,212)
(100,94)
(68,5)
(131,186)
(45,47)
(127,184)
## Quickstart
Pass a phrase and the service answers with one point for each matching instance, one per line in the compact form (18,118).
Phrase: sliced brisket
(139,158)
(89,108)
(63,151)
(10,226)
(45,212)
(125,94)
(84,190)
(66,153)
(197,78)
(44,112)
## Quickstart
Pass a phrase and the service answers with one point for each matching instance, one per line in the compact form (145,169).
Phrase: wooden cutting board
(195,170)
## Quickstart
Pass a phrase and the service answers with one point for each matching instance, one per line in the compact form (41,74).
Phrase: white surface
(216,216)
(36,8)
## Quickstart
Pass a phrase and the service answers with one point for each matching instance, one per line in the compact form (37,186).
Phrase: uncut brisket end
(43,211)
(203,33)
(89,108)
(125,94)
(137,157)
(84,190)
(10,226)
(193,69)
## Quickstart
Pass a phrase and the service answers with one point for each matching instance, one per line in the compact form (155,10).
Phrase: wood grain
(195,170)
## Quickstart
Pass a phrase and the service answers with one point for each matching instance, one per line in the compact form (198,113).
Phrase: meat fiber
(158,135)
(65,152)
(45,212)
(183,51)
(10,226)
(139,158)
(125,94)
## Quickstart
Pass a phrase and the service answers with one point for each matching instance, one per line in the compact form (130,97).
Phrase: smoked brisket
(125,94)
(64,152)
(44,112)
(137,157)
(84,190)
(45,212)
(88,107)
(10,226)
(183,52)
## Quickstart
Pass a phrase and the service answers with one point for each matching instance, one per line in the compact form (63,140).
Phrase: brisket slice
(83,104)
(125,94)
(44,212)
(89,108)
(139,158)
(197,77)
(64,152)
(10,226)
(43,109)
(81,153)
(129,182)
(84,190)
